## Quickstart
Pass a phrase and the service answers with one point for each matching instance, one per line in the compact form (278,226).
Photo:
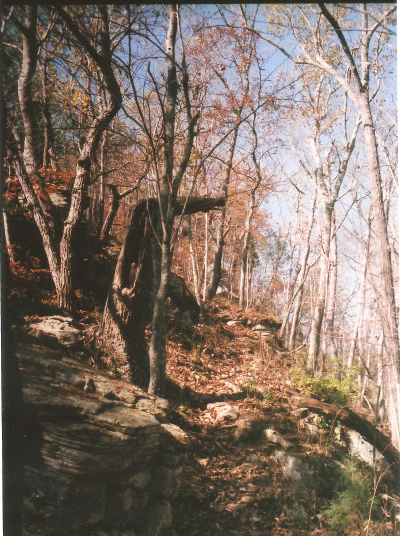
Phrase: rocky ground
(257,463)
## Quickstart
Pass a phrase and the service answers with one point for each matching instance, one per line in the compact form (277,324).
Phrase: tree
(122,329)
(328,183)
(238,90)
(257,183)
(301,278)
(58,242)
(348,60)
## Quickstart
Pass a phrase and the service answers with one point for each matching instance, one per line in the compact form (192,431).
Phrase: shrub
(328,388)
(351,505)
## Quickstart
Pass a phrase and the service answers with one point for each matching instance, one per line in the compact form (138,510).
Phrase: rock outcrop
(55,331)
(99,453)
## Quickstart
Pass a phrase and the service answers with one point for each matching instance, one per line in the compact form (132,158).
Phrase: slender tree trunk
(205,258)
(10,251)
(245,251)
(330,347)
(193,259)
(48,143)
(216,270)
(361,302)
(102,185)
(302,275)
(318,316)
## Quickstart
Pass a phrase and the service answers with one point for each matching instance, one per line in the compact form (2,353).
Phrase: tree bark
(216,266)
(48,143)
(358,324)
(302,276)
(330,347)
(121,331)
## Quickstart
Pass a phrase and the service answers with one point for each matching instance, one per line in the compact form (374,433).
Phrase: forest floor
(234,482)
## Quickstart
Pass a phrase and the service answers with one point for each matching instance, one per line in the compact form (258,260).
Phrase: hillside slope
(257,463)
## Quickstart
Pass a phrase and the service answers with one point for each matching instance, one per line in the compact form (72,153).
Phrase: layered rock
(97,456)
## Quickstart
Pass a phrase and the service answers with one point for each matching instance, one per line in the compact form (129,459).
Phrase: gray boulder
(57,331)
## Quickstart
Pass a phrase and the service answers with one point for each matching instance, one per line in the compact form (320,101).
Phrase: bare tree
(353,69)
(57,241)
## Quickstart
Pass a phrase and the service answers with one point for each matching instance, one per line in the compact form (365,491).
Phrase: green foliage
(351,505)
(328,388)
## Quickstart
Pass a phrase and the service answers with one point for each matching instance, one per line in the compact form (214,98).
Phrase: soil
(232,483)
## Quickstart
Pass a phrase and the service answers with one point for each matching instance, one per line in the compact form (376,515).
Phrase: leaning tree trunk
(121,331)
(353,421)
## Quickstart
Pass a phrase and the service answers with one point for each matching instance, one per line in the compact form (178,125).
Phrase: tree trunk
(205,258)
(193,258)
(9,246)
(121,331)
(112,212)
(48,143)
(393,357)
(245,251)
(216,269)
(102,185)
(353,421)
(358,324)
(318,316)
(158,351)
(302,276)
(330,347)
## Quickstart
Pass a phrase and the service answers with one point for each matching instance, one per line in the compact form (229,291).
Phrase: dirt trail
(232,482)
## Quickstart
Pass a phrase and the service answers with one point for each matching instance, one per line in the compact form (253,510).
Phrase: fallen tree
(350,419)
(121,331)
